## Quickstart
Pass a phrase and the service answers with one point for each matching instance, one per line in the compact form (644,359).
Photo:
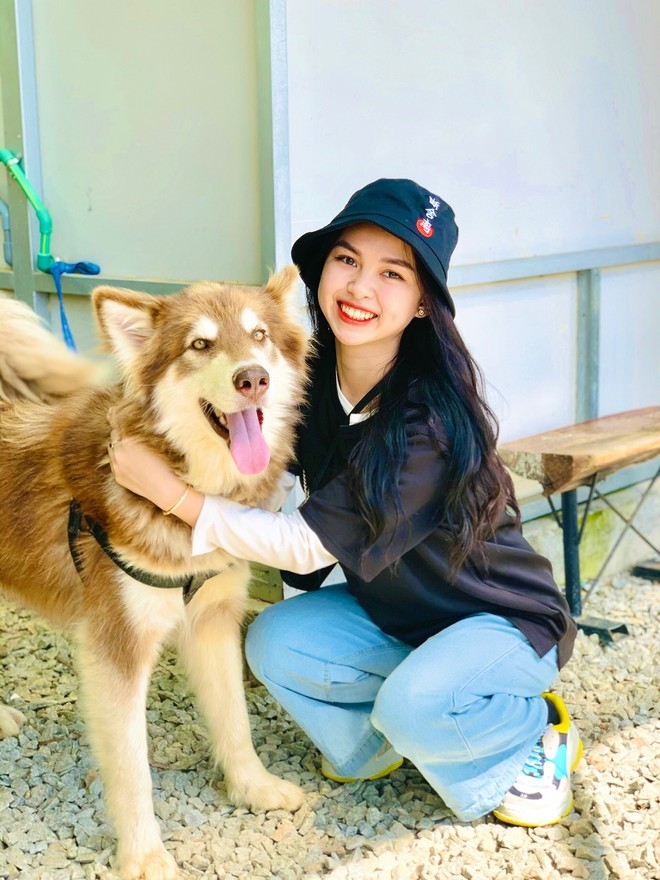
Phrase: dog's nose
(252,381)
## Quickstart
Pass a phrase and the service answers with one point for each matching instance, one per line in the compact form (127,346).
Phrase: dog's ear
(125,319)
(283,287)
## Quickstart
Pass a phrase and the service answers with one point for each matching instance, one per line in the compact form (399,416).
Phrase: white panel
(630,338)
(538,122)
(148,135)
(522,335)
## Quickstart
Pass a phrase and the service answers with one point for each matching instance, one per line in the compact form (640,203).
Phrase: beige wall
(148,134)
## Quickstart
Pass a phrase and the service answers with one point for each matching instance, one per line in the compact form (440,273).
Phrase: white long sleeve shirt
(278,540)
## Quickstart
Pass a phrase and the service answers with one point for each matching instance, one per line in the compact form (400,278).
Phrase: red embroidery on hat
(424,227)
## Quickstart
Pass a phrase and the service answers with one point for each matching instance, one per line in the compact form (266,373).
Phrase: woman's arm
(279,540)
(274,539)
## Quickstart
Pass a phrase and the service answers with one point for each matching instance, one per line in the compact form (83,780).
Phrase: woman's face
(369,291)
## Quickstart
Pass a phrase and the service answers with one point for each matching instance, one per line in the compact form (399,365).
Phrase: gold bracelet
(179,502)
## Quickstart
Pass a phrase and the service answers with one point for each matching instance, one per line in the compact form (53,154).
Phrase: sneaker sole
(539,823)
(511,820)
(379,775)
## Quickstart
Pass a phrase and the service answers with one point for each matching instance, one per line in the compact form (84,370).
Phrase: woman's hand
(137,468)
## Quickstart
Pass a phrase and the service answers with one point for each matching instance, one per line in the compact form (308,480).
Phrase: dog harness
(80,523)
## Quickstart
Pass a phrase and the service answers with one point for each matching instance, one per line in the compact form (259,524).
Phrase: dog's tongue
(246,442)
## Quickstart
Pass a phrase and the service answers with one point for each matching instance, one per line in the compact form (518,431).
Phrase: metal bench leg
(571,536)
(571,539)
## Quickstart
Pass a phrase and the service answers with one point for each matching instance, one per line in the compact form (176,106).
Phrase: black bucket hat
(401,207)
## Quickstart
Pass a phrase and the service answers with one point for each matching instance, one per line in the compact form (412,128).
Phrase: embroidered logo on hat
(424,224)
(424,227)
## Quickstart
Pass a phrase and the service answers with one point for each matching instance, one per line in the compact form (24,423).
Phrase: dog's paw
(10,721)
(155,865)
(268,793)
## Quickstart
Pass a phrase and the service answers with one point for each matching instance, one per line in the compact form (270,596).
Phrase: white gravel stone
(53,824)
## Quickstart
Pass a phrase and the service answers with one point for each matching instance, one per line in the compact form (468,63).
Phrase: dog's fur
(173,353)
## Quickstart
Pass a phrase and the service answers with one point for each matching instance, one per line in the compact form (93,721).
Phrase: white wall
(522,335)
(539,122)
(630,338)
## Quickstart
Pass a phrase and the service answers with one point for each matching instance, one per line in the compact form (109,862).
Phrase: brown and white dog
(212,378)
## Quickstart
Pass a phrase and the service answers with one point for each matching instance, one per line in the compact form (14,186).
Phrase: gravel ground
(53,824)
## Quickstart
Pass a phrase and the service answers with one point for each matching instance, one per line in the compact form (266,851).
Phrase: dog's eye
(259,335)
(199,344)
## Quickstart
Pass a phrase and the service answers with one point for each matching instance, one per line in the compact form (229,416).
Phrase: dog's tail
(35,364)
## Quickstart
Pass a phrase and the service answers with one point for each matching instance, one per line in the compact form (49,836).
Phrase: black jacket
(402,580)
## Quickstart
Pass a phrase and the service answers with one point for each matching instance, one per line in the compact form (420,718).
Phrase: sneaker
(384,762)
(541,795)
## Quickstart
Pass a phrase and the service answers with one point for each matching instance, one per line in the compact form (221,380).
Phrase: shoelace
(535,762)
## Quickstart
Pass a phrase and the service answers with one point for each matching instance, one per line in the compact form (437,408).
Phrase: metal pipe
(6,229)
(44,257)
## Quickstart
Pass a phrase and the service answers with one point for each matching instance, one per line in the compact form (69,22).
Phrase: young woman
(442,643)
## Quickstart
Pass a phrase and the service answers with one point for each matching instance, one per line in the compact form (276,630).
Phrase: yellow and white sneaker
(541,795)
(384,762)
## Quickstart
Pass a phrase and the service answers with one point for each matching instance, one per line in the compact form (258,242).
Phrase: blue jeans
(464,707)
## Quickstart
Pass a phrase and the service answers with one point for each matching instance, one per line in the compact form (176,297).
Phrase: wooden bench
(582,455)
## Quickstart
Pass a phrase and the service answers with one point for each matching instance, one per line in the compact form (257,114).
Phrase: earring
(421,311)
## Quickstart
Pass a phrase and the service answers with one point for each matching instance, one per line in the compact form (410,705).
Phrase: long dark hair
(450,386)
